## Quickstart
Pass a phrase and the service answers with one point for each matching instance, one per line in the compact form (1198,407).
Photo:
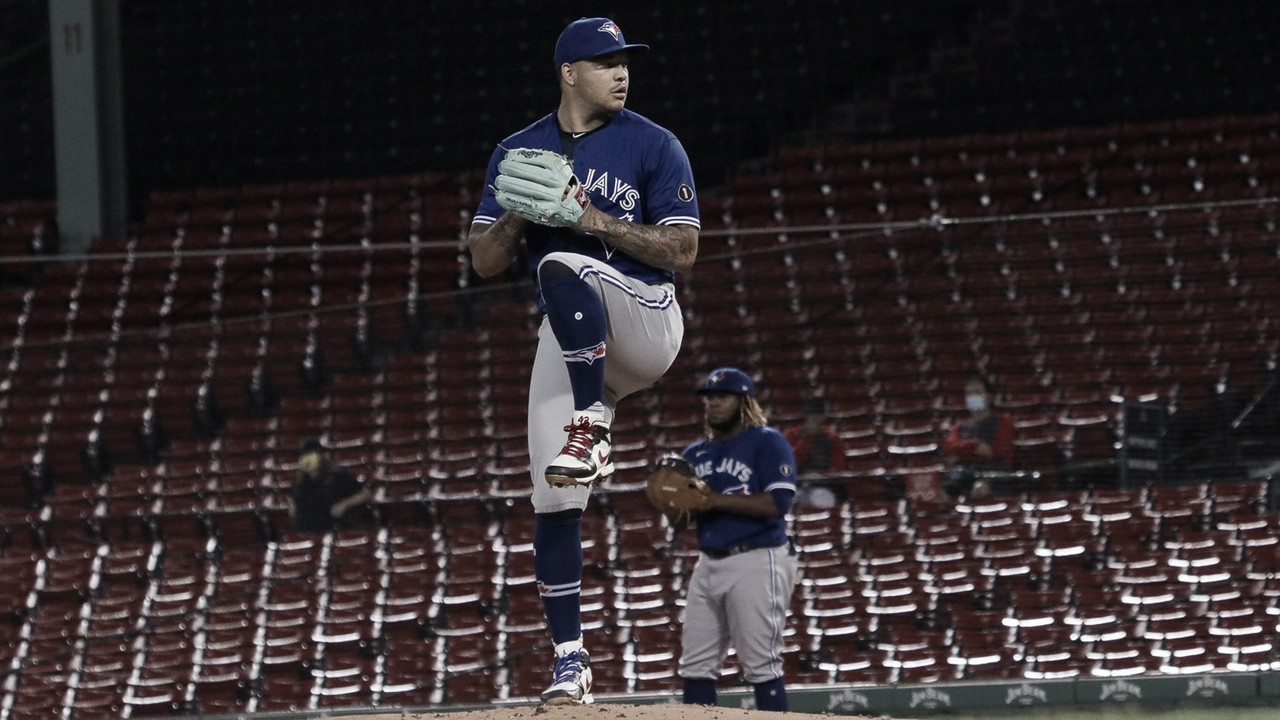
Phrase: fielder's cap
(310,445)
(728,379)
(815,406)
(591,37)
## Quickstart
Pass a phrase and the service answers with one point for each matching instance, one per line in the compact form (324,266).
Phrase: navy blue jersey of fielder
(632,168)
(756,460)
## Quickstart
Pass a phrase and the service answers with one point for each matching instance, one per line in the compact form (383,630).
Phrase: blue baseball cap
(591,37)
(730,380)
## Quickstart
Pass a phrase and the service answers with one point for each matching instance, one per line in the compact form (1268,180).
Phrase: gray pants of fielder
(742,602)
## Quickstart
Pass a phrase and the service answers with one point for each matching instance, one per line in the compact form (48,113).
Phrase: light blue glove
(539,186)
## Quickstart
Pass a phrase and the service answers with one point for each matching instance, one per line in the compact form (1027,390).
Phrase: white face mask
(975,403)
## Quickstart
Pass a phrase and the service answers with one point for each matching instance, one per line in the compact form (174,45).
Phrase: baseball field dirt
(599,711)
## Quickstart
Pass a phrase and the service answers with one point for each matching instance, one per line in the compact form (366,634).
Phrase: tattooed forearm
(493,247)
(506,236)
(670,247)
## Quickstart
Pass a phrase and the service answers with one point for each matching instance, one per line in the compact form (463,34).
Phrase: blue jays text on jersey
(756,460)
(621,193)
(728,466)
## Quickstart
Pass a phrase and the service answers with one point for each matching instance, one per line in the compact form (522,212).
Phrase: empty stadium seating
(1023,586)
(153,401)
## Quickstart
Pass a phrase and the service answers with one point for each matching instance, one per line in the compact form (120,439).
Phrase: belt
(735,550)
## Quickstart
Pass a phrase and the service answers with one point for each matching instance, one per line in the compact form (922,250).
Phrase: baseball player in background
(741,586)
(603,200)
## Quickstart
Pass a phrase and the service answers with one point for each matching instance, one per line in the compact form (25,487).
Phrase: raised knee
(554,269)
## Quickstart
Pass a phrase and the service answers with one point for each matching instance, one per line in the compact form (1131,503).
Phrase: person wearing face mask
(983,442)
(819,452)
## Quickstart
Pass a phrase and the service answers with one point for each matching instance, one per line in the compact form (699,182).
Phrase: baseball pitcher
(603,201)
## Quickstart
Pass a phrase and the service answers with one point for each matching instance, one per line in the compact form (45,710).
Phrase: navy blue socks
(557,564)
(771,695)
(699,691)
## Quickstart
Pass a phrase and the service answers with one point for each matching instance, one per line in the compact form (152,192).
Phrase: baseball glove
(673,489)
(539,186)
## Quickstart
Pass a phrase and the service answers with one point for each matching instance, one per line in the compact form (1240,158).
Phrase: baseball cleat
(585,458)
(571,680)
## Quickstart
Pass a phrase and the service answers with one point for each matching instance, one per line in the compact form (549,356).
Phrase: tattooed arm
(495,246)
(669,247)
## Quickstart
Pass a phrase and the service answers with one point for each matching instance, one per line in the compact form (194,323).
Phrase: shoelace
(568,666)
(580,438)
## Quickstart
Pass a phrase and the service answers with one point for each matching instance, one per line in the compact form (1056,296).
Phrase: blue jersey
(756,460)
(632,168)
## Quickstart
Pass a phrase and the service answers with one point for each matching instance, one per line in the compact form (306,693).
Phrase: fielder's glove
(673,489)
(539,186)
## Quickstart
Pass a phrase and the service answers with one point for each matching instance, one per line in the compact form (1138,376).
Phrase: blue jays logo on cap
(612,28)
(728,379)
(587,38)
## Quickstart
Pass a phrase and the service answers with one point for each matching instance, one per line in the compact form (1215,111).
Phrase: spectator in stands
(819,452)
(323,491)
(984,442)
(817,447)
